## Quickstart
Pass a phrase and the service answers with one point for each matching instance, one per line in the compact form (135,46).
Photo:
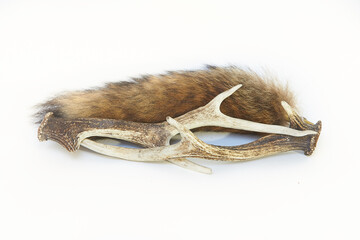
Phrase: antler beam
(191,146)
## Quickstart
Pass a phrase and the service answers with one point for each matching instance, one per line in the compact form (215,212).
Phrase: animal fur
(154,97)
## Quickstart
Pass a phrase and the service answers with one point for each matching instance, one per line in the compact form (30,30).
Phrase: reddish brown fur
(153,98)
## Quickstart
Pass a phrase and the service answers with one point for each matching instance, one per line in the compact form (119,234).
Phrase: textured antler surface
(70,133)
(191,146)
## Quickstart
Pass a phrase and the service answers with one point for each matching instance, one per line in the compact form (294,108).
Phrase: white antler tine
(187,164)
(185,133)
(288,109)
(216,102)
(181,128)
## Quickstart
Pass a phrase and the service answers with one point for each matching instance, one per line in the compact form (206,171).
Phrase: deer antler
(72,132)
(191,146)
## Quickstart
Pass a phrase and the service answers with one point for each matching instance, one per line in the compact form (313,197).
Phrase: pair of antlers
(71,133)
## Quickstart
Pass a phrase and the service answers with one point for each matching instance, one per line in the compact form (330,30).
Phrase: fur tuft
(152,98)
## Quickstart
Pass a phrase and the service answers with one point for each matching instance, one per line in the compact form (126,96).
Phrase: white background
(47,47)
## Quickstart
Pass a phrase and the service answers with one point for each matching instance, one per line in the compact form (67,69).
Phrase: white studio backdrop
(47,47)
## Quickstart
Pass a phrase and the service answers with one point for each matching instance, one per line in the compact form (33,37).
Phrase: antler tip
(238,86)
(234,89)
(286,107)
(170,120)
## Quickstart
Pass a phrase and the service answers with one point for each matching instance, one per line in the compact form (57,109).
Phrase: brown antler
(191,146)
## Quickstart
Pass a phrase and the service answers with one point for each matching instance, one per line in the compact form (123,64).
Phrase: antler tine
(217,101)
(187,164)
